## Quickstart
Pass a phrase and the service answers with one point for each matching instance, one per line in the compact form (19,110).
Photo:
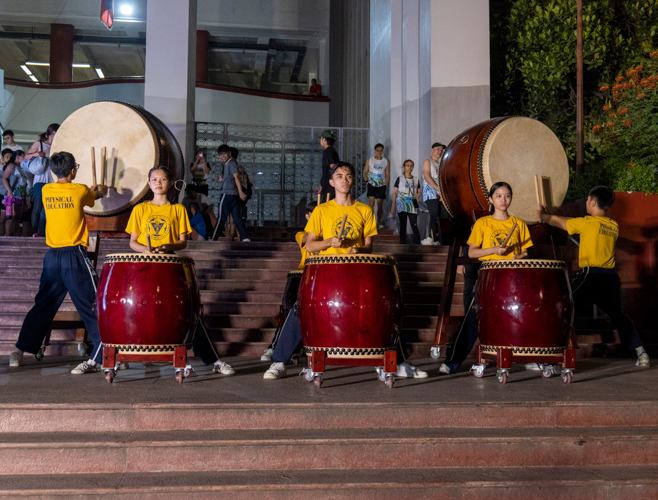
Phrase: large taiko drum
(135,141)
(510,149)
(350,306)
(525,305)
(147,303)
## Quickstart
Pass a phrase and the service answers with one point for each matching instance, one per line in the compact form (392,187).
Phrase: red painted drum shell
(350,301)
(524,303)
(147,299)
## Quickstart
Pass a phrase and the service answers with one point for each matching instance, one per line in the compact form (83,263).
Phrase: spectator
(200,171)
(41,148)
(8,141)
(231,194)
(247,188)
(315,90)
(197,222)
(10,215)
(329,159)
(205,207)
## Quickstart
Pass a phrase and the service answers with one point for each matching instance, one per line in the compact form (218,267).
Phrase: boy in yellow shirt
(599,283)
(66,267)
(359,230)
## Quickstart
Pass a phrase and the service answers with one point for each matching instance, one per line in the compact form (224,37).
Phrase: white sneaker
(436,243)
(276,370)
(407,370)
(267,355)
(445,369)
(534,367)
(643,361)
(84,368)
(427,241)
(246,240)
(16,359)
(223,368)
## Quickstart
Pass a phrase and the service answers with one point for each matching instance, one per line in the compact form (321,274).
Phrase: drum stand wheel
(547,371)
(501,374)
(110,373)
(435,352)
(183,373)
(567,375)
(39,356)
(478,370)
(317,380)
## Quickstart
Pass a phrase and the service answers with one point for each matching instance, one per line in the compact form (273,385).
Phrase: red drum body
(511,149)
(525,306)
(147,304)
(350,306)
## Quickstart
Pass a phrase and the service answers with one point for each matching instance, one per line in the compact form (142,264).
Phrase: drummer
(66,267)
(357,238)
(168,226)
(485,243)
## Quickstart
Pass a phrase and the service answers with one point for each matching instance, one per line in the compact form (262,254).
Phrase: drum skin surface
(135,141)
(350,305)
(147,300)
(510,149)
(524,304)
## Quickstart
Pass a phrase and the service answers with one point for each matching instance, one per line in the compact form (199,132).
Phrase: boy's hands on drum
(336,242)
(100,190)
(500,250)
(539,213)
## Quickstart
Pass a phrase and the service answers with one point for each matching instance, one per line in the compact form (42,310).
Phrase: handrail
(129,79)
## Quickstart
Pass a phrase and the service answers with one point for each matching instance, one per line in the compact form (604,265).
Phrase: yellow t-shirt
(64,204)
(597,240)
(326,219)
(302,247)
(165,224)
(489,232)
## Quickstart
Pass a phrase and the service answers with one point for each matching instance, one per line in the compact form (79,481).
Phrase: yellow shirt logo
(159,226)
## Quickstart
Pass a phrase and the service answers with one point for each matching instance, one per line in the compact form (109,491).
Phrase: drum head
(131,151)
(518,149)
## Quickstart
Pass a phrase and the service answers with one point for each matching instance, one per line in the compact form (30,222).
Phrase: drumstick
(148,242)
(544,201)
(328,194)
(103,151)
(319,199)
(537,192)
(342,227)
(93,164)
(506,241)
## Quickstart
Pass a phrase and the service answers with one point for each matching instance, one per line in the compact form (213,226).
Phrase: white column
(171,67)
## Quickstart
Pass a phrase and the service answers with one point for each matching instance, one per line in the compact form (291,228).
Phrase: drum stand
(319,359)
(112,358)
(549,364)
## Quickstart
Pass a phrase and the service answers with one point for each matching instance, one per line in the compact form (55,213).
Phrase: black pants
(602,288)
(413,218)
(434,208)
(289,340)
(203,345)
(65,270)
(201,188)
(229,204)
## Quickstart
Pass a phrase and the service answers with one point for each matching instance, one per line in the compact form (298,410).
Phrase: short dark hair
(164,169)
(224,148)
(6,150)
(194,205)
(330,141)
(8,132)
(341,164)
(379,145)
(234,153)
(9,151)
(62,164)
(603,195)
(438,144)
(311,206)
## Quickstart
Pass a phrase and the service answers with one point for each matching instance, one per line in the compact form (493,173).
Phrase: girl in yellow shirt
(485,243)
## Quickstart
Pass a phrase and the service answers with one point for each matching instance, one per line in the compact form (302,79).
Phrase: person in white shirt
(406,194)
(376,173)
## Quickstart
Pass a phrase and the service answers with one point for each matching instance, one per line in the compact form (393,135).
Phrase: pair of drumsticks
(103,165)
(320,198)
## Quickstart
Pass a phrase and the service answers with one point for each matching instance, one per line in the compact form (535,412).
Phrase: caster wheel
(82,350)
(502,377)
(187,372)
(546,371)
(109,376)
(317,381)
(435,352)
(478,371)
(39,356)
(390,381)
(566,377)
(307,373)
(180,375)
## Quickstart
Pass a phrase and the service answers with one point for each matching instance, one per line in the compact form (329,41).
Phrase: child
(197,222)
(485,244)
(66,267)
(300,238)
(359,230)
(168,227)
(406,194)
(598,283)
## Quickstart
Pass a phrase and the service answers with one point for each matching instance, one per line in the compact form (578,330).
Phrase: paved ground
(50,382)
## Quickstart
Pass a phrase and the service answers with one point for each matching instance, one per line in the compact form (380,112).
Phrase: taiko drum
(525,305)
(350,306)
(147,303)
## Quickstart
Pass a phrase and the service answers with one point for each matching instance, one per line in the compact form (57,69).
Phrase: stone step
(312,449)
(582,483)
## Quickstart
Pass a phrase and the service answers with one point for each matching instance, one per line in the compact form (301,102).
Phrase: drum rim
(295,272)
(359,258)
(523,264)
(143,257)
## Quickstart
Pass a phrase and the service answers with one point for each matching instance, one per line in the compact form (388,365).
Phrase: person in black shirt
(329,159)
